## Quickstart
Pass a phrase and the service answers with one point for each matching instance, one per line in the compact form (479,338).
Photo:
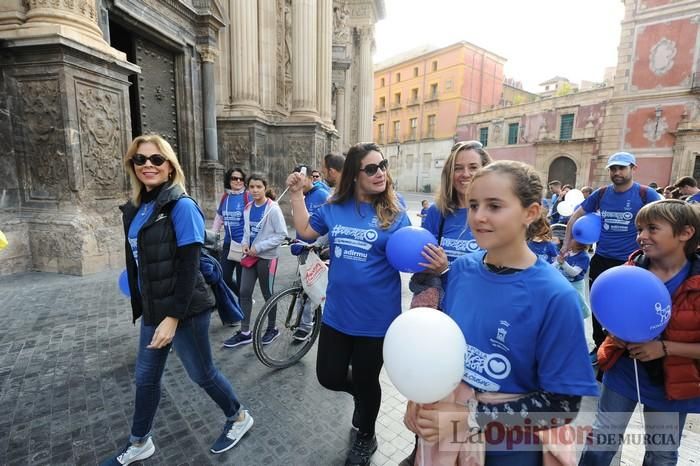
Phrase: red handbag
(249,261)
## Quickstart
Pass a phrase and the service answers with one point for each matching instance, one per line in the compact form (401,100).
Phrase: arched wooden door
(564,170)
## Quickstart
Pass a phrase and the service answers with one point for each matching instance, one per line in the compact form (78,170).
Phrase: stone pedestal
(68,130)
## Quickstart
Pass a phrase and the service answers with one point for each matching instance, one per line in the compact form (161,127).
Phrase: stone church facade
(261,84)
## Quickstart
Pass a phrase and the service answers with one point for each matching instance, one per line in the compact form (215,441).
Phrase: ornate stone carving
(100,131)
(288,53)
(661,56)
(44,146)
(85,8)
(361,11)
(234,150)
(341,30)
(208,54)
(298,151)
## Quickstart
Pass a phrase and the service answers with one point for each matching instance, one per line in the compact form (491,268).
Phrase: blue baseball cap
(622,159)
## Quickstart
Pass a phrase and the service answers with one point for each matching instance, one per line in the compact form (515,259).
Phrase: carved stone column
(244,24)
(268,53)
(364,130)
(304,44)
(208,56)
(74,20)
(79,15)
(340,114)
(325,45)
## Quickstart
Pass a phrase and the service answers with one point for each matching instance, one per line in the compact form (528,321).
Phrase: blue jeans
(191,343)
(614,412)
(228,268)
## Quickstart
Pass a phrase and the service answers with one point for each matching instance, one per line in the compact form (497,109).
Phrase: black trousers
(337,352)
(599,264)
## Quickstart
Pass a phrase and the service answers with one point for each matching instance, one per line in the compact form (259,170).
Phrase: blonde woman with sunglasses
(164,230)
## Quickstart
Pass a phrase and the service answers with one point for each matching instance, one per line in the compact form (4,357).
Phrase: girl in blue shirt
(364,290)
(521,321)
(540,240)
(263,232)
(229,214)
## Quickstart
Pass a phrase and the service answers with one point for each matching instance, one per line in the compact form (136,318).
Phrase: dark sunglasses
(156,159)
(467,145)
(316,176)
(237,178)
(371,169)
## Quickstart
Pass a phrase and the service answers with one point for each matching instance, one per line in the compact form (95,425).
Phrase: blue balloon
(631,303)
(586,230)
(124,284)
(404,247)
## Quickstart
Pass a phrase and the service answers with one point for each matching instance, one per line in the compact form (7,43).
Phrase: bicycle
(286,307)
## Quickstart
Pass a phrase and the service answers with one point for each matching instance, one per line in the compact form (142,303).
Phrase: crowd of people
(519,296)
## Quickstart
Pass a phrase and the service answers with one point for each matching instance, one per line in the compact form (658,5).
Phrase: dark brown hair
(386,204)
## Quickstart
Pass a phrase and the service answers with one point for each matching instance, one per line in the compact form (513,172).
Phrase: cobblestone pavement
(67,354)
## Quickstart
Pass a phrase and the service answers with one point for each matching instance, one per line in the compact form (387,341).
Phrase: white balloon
(424,353)
(565,209)
(574,196)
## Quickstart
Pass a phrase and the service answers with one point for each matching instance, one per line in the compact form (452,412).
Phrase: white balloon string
(422,451)
(639,397)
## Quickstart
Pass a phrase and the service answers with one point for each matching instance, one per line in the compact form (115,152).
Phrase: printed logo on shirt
(616,221)
(501,333)
(458,247)
(354,237)
(233,218)
(479,365)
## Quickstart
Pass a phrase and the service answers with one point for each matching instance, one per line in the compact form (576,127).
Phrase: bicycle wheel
(284,307)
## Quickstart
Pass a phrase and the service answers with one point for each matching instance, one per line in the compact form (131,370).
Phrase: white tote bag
(314,278)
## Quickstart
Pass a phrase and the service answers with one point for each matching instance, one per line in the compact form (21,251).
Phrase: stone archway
(563,169)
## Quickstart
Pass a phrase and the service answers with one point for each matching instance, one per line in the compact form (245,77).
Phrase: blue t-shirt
(231,210)
(580,259)
(524,331)
(620,377)
(187,219)
(256,214)
(313,199)
(423,216)
(694,199)
(545,250)
(618,238)
(457,238)
(364,291)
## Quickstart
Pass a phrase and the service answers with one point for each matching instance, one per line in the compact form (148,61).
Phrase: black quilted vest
(157,263)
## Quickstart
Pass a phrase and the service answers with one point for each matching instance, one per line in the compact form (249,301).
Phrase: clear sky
(540,39)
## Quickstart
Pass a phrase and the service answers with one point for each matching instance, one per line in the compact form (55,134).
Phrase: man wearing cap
(618,204)
(689,187)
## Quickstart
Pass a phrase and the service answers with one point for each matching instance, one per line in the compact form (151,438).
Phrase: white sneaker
(233,433)
(132,453)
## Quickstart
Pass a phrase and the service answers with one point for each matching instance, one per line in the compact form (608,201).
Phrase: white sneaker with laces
(133,453)
(233,433)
